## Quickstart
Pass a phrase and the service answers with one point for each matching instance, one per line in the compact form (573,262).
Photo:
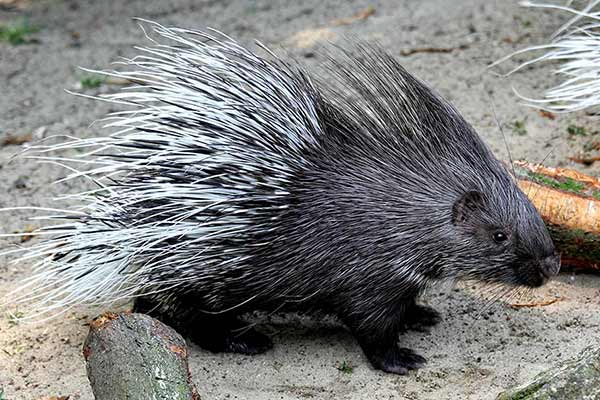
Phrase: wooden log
(133,356)
(571,380)
(569,203)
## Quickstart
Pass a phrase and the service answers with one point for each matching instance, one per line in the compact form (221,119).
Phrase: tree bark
(133,356)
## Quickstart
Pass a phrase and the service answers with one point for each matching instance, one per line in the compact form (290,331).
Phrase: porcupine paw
(249,342)
(421,318)
(245,341)
(396,360)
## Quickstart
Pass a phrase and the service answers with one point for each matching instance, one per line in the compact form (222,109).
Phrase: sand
(476,351)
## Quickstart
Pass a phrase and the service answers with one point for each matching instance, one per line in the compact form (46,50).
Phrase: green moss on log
(572,380)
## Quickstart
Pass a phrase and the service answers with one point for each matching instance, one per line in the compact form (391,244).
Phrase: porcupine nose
(550,266)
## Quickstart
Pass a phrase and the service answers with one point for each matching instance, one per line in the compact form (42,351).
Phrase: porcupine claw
(250,342)
(395,360)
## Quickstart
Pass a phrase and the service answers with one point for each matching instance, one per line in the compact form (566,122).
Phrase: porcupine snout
(550,266)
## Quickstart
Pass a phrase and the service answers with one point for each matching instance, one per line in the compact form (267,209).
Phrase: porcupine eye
(499,237)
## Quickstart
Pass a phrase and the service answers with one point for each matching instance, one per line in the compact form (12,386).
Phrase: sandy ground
(473,354)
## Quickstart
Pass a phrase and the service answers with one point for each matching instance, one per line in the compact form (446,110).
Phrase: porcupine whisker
(498,292)
(514,293)
(510,159)
(501,294)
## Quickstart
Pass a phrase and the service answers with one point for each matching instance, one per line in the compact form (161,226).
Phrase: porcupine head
(238,182)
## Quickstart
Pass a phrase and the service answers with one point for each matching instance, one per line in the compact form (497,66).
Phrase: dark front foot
(243,341)
(394,359)
(420,318)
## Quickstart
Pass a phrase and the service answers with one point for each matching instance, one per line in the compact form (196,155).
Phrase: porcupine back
(245,181)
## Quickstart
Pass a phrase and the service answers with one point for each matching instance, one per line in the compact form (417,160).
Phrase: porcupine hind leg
(229,335)
(214,332)
(420,318)
(379,339)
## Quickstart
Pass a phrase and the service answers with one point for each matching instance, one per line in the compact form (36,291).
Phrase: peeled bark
(133,356)
(569,203)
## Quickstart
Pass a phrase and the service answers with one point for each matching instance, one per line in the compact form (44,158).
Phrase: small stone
(20,183)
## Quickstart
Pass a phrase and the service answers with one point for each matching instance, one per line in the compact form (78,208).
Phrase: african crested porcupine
(239,183)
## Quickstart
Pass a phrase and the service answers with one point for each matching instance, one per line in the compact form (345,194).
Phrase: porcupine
(238,182)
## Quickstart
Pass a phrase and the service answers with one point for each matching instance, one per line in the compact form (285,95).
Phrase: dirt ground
(473,354)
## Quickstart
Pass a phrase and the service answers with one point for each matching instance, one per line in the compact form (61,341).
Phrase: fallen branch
(133,356)
(569,203)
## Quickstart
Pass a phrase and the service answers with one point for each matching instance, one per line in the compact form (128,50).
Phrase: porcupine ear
(464,208)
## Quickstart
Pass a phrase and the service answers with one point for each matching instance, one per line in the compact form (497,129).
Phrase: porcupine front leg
(219,333)
(379,339)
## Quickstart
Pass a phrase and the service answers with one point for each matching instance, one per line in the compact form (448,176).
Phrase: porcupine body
(240,183)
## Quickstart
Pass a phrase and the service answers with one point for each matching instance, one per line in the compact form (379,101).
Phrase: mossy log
(133,356)
(572,380)
(569,203)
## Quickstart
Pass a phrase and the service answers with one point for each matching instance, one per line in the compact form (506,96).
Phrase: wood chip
(537,304)
(11,139)
(359,16)
(547,114)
